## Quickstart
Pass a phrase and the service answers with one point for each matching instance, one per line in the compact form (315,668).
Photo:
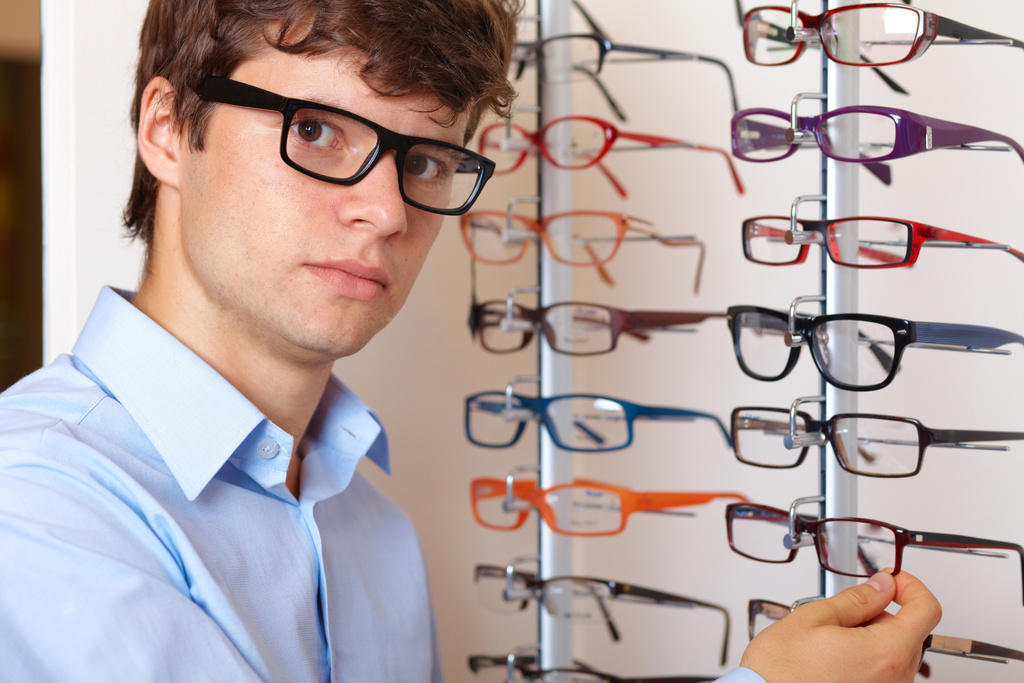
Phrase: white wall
(419,370)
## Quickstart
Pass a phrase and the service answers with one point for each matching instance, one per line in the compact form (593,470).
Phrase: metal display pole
(555,97)
(842,88)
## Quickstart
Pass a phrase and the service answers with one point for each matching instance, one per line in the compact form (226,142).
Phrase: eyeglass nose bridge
(511,594)
(511,503)
(509,322)
(794,539)
(794,134)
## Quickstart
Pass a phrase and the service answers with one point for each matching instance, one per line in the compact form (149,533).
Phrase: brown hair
(456,51)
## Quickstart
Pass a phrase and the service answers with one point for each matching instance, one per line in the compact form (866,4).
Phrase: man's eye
(423,167)
(315,133)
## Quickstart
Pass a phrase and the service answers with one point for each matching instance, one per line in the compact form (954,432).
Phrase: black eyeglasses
(851,546)
(582,599)
(339,147)
(761,336)
(865,444)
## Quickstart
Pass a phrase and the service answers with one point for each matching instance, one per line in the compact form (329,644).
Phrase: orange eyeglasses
(582,508)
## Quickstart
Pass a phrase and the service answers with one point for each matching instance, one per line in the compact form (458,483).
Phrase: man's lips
(351,278)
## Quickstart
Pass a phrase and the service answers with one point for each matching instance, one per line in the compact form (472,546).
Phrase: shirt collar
(194,417)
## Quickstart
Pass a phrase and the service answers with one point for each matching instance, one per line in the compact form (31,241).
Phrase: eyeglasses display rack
(834,492)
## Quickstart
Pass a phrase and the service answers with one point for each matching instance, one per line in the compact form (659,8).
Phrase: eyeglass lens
(484,233)
(864,242)
(580,328)
(574,142)
(830,343)
(886,35)
(585,510)
(337,146)
(759,342)
(580,56)
(576,422)
(763,614)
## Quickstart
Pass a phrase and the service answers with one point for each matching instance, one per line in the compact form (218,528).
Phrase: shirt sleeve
(741,675)
(91,593)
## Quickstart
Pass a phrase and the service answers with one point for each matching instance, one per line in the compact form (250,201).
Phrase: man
(178,498)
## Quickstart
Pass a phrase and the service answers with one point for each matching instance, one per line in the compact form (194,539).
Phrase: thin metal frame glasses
(337,146)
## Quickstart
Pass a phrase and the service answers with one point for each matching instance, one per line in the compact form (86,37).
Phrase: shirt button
(268,449)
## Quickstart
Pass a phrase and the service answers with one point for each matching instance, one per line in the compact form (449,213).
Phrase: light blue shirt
(741,675)
(146,532)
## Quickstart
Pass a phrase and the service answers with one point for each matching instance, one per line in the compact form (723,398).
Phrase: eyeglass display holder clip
(511,594)
(510,235)
(794,134)
(794,440)
(510,413)
(511,503)
(791,337)
(794,236)
(520,651)
(509,323)
(793,539)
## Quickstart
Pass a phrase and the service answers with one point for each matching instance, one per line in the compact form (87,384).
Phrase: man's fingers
(919,611)
(858,604)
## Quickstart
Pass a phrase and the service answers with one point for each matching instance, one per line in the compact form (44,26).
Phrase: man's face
(281,263)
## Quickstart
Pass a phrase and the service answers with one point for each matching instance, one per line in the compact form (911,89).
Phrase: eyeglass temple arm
(659,413)
(973,649)
(966,544)
(659,320)
(674,143)
(660,501)
(961,438)
(968,34)
(949,134)
(938,237)
(977,338)
(638,594)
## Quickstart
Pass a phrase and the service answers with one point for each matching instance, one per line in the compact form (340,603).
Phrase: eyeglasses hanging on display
(575,422)
(577,142)
(880,242)
(575,238)
(866,444)
(885,133)
(759,340)
(764,613)
(754,532)
(582,508)
(581,599)
(517,667)
(571,327)
(884,34)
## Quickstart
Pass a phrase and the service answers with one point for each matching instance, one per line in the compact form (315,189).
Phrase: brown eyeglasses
(572,327)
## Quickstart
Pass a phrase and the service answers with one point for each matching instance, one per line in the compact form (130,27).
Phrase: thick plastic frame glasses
(892,33)
(881,242)
(946,645)
(518,496)
(908,133)
(797,430)
(550,411)
(450,160)
(812,330)
(522,586)
(596,249)
(578,142)
(820,531)
(520,324)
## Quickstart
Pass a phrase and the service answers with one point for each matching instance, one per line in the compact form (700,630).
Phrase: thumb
(861,603)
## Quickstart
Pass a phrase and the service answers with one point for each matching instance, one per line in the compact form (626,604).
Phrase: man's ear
(159,139)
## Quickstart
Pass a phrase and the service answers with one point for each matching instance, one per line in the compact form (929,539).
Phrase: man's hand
(849,637)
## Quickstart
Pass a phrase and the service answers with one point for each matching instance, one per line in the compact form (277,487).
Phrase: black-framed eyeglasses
(880,242)
(767,343)
(581,599)
(575,422)
(337,146)
(864,443)
(571,327)
(851,546)
(763,613)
